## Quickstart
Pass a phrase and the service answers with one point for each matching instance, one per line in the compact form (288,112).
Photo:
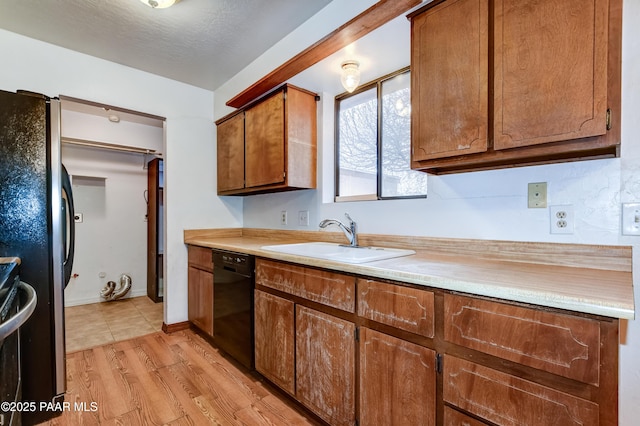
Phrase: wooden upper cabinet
(449,66)
(231,153)
(514,82)
(550,71)
(265,160)
(270,146)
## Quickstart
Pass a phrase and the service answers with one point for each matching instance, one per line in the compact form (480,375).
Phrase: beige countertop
(581,278)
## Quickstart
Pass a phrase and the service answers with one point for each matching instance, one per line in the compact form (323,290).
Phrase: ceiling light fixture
(159,4)
(350,77)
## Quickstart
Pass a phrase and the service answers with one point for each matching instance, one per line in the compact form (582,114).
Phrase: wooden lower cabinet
(558,343)
(325,365)
(274,339)
(200,299)
(504,399)
(456,418)
(397,381)
(426,356)
(200,288)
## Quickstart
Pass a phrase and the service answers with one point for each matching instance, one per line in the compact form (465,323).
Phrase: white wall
(484,205)
(189,145)
(112,238)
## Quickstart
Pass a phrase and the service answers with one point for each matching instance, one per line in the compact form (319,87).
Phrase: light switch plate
(537,195)
(303,218)
(631,219)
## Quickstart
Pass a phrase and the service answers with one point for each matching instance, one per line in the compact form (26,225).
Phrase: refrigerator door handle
(10,325)
(70,235)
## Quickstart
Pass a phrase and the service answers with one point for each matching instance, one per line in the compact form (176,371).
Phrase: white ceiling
(199,42)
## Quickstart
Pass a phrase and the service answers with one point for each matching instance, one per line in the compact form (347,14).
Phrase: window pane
(398,180)
(357,142)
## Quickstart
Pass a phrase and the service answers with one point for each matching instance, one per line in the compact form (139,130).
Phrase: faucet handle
(351,221)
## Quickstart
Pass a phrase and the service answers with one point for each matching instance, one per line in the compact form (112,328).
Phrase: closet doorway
(108,151)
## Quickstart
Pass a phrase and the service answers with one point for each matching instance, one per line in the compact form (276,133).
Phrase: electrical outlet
(283,217)
(537,195)
(303,218)
(631,219)
(561,219)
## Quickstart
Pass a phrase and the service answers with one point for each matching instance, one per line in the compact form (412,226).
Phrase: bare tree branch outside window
(358,142)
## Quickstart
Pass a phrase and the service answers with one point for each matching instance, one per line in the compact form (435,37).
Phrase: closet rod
(110,146)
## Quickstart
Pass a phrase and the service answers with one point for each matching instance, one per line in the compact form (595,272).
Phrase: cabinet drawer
(406,308)
(200,257)
(561,344)
(326,287)
(456,418)
(508,400)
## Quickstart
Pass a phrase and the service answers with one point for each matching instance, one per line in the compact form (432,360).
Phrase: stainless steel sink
(338,252)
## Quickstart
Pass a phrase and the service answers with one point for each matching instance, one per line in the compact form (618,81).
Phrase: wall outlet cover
(561,219)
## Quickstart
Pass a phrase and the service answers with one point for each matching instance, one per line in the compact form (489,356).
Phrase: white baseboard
(98,299)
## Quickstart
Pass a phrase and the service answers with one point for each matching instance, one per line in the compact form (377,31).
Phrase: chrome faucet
(349,232)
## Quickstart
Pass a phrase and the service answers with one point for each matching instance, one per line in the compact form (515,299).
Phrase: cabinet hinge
(284,175)
(608,118)
(438,363)
(356,334)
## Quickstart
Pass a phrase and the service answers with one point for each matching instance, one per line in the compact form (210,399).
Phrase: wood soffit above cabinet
(372,18)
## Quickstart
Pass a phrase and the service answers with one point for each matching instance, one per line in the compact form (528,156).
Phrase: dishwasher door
(233,285)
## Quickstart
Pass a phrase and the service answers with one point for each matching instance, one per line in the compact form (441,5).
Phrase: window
(373,142)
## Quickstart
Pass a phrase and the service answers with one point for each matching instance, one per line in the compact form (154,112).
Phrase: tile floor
(97,324)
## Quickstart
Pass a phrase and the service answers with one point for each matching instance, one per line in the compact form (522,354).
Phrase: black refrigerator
(36,225)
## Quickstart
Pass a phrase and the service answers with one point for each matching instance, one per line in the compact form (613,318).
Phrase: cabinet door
(325,365)
(230,135)
(397,381)
(200,299)
(265,139)
(274,339)
(550,71)
(449,66)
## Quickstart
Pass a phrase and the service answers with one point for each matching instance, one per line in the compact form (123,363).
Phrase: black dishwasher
(233,286)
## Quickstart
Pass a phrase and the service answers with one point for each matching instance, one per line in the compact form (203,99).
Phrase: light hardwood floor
(168,379)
